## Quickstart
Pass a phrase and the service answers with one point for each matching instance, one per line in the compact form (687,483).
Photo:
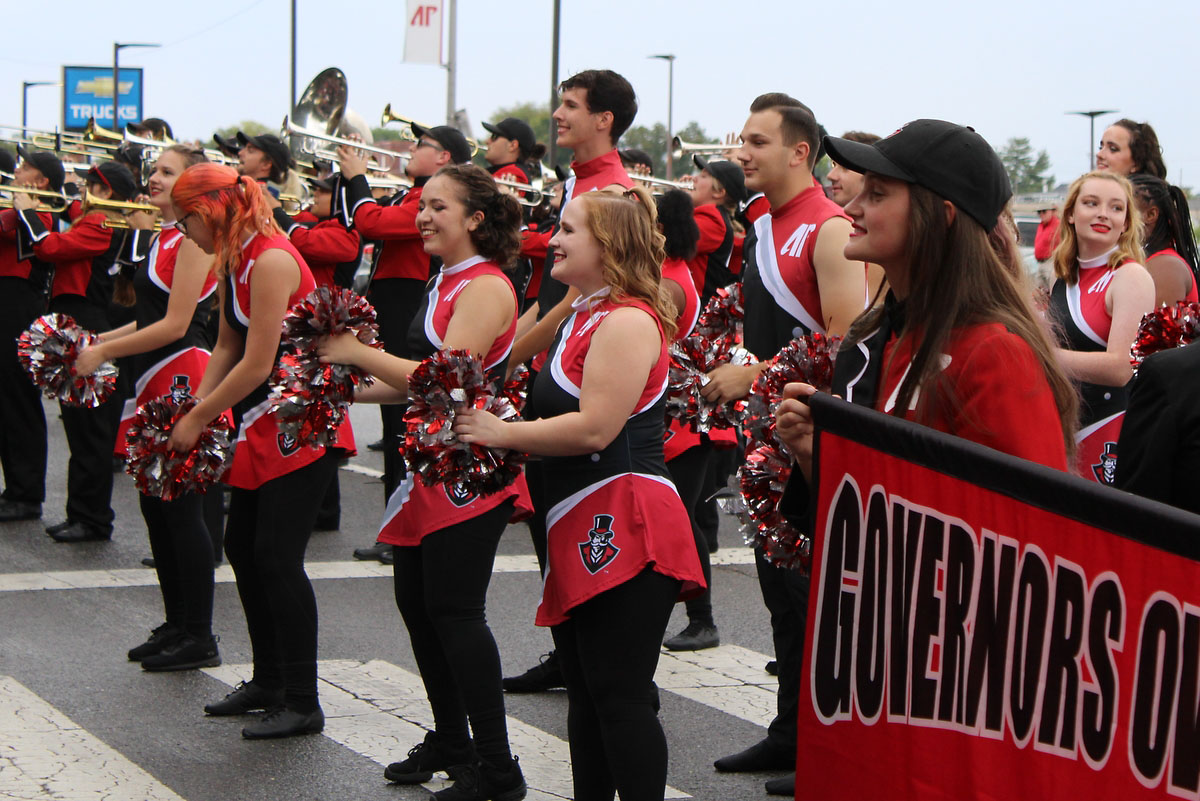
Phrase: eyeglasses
(423,142)
(181,224)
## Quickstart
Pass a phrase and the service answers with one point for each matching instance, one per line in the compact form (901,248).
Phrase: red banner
(983,627)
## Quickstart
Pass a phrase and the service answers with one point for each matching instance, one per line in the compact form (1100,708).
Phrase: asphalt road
(79,721)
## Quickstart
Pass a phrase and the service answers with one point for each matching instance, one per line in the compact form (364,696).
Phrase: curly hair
(1144,148)
(498,237)
(1129,244)
(677,221)
(230,204)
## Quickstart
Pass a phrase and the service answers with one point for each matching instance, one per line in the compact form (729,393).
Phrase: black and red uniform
(710,266)
(85,260)
(530,278)
(332,251)
(619,558)
(748,214)
(1079,310)
(22,419)
(446,543)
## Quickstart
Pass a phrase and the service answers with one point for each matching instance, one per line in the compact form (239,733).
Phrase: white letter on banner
(423,32)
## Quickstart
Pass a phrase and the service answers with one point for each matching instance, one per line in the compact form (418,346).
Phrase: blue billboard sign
(88,92)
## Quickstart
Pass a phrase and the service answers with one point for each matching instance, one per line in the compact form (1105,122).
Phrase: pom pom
(160,472)
(48,351)
(310,399)
(516,388)
(807,359)
(1165,328)
(445,382)
(762,479)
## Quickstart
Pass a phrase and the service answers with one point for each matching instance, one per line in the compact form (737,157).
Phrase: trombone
(122,207)
(680,148)
(408,135)
(525,194)
(51,201)
(377,164)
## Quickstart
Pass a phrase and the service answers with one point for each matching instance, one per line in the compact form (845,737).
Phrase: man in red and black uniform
(22,299)
(749,210)
(716,192)
(265,157)
(596,107)
(402,267)
(85,261)
(796,281)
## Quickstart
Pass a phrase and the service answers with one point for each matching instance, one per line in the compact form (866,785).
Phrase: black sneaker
(696,637)
(160,638)
(379,552)
(546,675)
(378,445)
(284,722)
(483,782)
(187,653)
(245,698)
(11,510)
(425,758)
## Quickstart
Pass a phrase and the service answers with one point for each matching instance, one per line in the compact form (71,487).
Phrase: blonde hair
(1129,244)
(624,224)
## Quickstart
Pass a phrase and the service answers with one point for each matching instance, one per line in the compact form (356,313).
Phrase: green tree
(387,134)
(1026,172)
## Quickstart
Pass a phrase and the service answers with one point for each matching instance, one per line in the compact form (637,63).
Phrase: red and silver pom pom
(516,388)
(310,399)
(808,359)
(447,381)
(691,360)
(160,472)
(48,351)
(762,479)
(723,314)
(1164,328)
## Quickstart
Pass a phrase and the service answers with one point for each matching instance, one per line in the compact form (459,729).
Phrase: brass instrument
(680,148)
(52,201)
(321,122)
(660,185)
(123,207)
(408,135)
(392,182)
(382,161)
(94,133)
(536,196)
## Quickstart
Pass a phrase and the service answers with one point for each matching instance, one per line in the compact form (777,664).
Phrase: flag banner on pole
(982,627)
(423,32)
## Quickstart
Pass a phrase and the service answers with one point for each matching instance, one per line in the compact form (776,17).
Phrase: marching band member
(85,261)
(716,192)
(444,540)
(265,158)
(512,150)
(277,482)
(608,591)
(174,285)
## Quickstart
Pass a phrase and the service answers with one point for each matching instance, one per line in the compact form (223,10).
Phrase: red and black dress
(1192,296)
(1079,309)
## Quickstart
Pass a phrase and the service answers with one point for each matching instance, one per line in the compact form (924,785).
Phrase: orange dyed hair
(231,205)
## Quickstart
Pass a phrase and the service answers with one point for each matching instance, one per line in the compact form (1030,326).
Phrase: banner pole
(450,102)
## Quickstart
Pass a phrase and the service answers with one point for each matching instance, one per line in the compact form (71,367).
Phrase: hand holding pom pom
(169,456)
(48,352)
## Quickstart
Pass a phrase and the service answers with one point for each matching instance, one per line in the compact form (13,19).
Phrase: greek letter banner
(981,627)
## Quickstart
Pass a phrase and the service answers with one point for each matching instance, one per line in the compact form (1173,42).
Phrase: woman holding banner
(956,325)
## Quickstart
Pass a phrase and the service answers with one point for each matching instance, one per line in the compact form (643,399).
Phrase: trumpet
(526,194)
(680,148)
(94,133)
(122,207)
(660,184)
(392,182)
(382,162)
(407,135)
(51,200)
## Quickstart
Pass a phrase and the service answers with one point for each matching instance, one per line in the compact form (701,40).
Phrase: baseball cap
(272,145)
(729,174)
(227,146)
(515,129)
(152,127)
(952,161)
(449,138)
(115,176)
(46,163)
(327,183)
(8,162)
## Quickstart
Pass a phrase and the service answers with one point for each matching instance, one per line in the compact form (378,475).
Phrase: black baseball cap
(46,163)
(327,183)
(227,146)
(729,174)
(152,127)
(272,145)
(8,162)
(515,129)
(115,176)
(950,160)
(449,138)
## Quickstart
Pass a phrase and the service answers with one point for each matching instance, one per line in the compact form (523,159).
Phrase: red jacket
(324,246)
(11,265)
(71,252)
(1046,239)
(403,255)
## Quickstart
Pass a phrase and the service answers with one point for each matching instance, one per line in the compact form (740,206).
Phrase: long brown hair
(1129,244)
(230,204)
(631,249)
(956,279)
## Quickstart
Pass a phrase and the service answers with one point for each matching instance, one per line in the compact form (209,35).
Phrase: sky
(1007,69)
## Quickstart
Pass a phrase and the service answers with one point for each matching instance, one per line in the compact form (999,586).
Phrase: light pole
(25,101)
(553,154)
(1091,115)
(670,59)
(116,123)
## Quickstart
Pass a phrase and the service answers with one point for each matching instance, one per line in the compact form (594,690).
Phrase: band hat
(327,183)
(952,161)
(48,164)
(8,162)
(729,174)
(515,129)
(227,146)
(115,176)
(449,138)
(152,127)
(270,144)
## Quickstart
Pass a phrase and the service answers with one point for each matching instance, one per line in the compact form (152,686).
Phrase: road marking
(728,678)
(362,469)
(379,710)
(45,755)
(318,571)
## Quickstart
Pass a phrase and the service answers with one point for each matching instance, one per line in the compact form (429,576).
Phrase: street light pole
(1091,115)
(670,59)
(25,101)
(116,86)
(553,152)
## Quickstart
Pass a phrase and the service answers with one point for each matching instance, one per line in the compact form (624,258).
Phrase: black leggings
(609,650)
(183,559)
(441,590)
(265,539)
(692,472)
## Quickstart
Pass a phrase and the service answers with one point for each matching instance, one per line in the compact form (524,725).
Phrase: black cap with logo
(729,174)
(46,163)
(515,129)
(451,139)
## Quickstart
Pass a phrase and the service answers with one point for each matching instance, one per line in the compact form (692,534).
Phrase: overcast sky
(1006,68)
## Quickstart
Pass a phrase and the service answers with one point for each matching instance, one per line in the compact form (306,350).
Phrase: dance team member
(277,482)
(1129,147)
(84,259)
(443,538)
(1099,297)
(1167,239)
(174,285)
(619,551)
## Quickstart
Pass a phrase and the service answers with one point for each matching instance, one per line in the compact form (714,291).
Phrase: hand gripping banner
(982,627)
